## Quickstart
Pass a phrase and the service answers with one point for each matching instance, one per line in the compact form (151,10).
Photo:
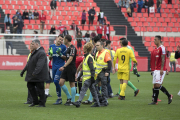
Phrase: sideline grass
(13,93)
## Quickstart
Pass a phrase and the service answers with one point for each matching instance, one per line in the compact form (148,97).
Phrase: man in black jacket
(53,7)
(37,73)
(177,53)
(65,32)
(150,4)
(20,26)
(91,13)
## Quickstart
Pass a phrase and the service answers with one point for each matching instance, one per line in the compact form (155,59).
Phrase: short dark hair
(108,42)
(101,42)
(68,37)
(96,38)
(158,36)
(124,42)
(122,38)
(61,35)
(36,32)
(36,41)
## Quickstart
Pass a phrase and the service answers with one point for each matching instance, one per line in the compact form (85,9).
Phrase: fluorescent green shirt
(129,47)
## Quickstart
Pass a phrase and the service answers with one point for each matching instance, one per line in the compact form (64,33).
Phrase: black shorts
(53,8)
(50,79)
(79,45)
(69,73)
(83,21)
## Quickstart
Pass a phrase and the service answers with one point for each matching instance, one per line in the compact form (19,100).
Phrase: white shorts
(50,70)
(157,78)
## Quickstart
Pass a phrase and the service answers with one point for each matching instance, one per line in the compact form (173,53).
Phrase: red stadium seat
(130,19)
(69,13)
(157,15)
(168,29)
(142,19)
(150,49)
(176,24)
(76,13)
(151,14)
(29,27)
(139,14)
(170,24)
(169,6)
(161,29)
(167,19)
(133,23)
(155,20)
(146,24)
(174,29)
(166,10)
(10,7)
(136,19)
(165,39)
(67,18)
(147,44)
(173,20)
(149,29)
(137,29)
(139,24)
(63,13)
(158,24)
(171,39)
(36,27)
(152,24)
(170,15)
(155,29)
(115,38)
(148,39)
(166,44)
(20,3)
(66,8)
(169,49)
(164,15)
(161,19)
(38,3)
(163,5)
(145,15)
(148,19)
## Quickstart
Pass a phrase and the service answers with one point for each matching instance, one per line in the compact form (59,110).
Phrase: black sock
(76,86)
(79,86)
(155,94)
(163,89)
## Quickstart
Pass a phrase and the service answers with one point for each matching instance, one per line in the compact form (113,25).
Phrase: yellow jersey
(124,54)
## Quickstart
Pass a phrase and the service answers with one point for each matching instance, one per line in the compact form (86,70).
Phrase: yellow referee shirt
(124,54)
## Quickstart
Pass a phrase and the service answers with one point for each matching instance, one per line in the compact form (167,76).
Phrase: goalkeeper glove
(135,70)
(51,51)
(58,51)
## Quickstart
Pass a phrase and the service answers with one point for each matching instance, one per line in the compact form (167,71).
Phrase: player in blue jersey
(57,53)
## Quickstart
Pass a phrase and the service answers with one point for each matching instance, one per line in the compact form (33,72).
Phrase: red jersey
(153,60)
(99,30)
(61,29)
(79,59)
(42,17)
(161,50)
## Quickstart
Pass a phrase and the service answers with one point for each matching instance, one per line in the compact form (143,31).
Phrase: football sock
(65,89)
(131,85)
(79,86)
(120,87)
(163,89)
(155,94)
(58,88)
(46,91)
(90,97)
(122,93)
(73,94)
(76,86)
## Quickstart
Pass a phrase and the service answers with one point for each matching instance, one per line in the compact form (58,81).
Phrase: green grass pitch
(13,93)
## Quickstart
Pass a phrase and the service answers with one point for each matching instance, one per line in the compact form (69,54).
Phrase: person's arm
(163,60)
(109,66)
(115,58)
(79,67)
(91,66)
(40,63)
(132,57)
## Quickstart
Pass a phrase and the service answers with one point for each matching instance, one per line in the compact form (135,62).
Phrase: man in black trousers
(37,74)
(177,53)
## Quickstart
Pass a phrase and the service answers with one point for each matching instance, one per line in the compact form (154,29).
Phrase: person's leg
(123,88)
(7,47)
(32,90)
(104,87)
(131,85)
(84,89)
(64,88)
(40,88)
(174,64)
(76,86)
(80,86)
(47,88)
(56,82)
(41,27)
(73,91)
(29,98)
(10,44)
(109,87)
(171,66)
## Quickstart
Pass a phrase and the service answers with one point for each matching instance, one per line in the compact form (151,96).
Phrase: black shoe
(121,97)
(136,92)
(104,104)
(95,105)
(41,106)
(49,95)
(170,99)
(110,96)
(87,102)
(32,105)
(116,95)
(68,102)
(153,103)
(77,103)
(28,103)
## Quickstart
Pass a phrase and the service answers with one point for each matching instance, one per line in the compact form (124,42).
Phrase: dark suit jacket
(36,67)
(65,31)
(53,5)
(177,54)
(150,3)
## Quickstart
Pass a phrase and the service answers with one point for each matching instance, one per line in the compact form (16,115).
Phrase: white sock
(46,91)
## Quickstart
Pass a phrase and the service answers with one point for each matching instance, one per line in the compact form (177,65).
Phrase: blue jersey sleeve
(64,50)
